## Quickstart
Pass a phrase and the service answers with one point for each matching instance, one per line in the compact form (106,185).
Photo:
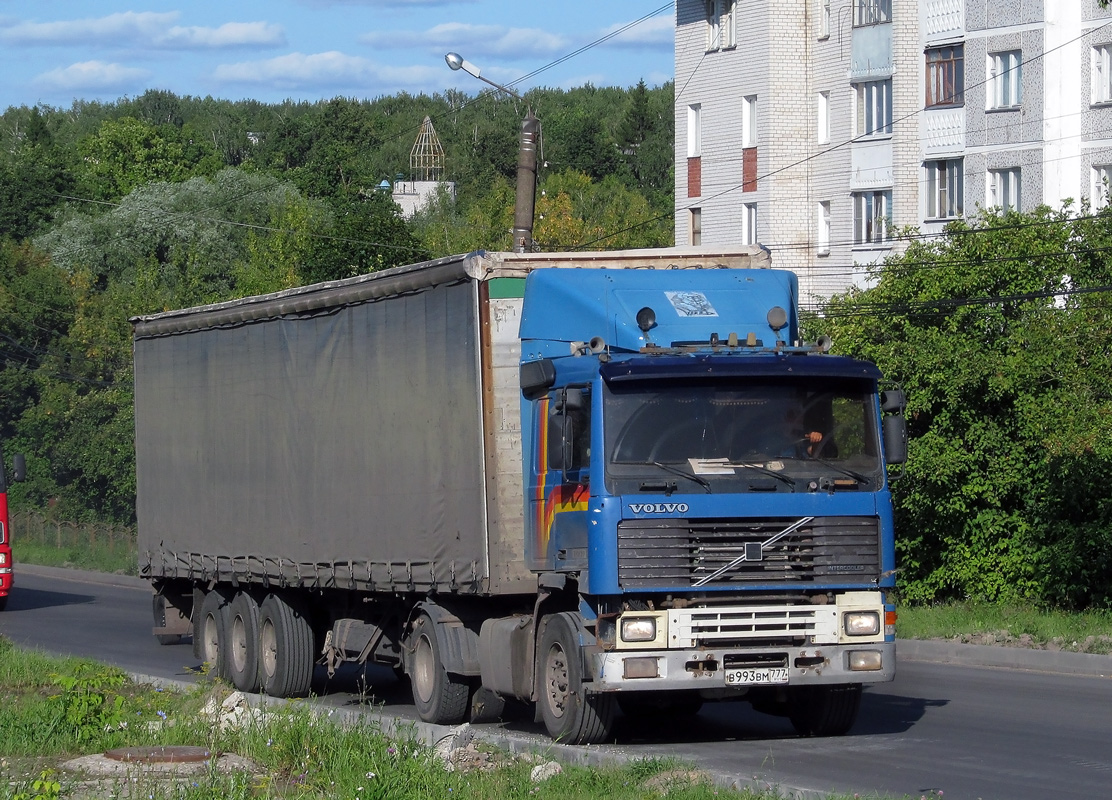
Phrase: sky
(53,52)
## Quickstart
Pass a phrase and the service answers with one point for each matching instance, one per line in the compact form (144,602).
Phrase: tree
(575,212)
(33,178)
(126,153)
(992,330)
(365,233)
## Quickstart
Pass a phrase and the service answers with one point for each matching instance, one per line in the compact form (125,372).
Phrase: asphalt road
(965,731)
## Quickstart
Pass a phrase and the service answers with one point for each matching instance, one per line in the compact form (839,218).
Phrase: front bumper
(706,670)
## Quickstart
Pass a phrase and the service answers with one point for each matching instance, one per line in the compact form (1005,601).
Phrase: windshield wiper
(766,471)
(847,472)
(683,474)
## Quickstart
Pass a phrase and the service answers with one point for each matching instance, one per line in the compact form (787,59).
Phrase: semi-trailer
(589,481)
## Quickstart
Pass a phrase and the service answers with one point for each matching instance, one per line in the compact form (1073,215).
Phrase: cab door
(559,487)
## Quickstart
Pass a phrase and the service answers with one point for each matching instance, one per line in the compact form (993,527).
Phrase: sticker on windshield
(691,304)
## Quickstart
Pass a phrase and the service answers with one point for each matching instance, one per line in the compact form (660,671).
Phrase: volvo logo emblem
(659,508)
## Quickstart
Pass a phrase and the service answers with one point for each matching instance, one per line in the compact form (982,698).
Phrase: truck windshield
(739,435)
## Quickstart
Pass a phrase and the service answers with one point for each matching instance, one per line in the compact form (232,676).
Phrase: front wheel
(572,714)
(824,710)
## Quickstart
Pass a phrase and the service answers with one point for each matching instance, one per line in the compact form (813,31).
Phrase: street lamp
(525,197)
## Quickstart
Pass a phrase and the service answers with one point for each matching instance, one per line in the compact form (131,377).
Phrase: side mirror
(892,401)
(19,467)
(536,378)
(895,439)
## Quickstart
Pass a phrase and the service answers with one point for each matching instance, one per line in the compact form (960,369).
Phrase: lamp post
(525,197)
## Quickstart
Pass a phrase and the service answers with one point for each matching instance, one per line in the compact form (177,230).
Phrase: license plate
(751,677)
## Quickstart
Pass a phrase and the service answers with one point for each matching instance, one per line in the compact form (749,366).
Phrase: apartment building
(816,127)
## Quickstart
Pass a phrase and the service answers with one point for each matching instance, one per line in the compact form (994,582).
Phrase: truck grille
(668,553)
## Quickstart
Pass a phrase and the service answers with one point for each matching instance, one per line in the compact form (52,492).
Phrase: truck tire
(211,632)
(3,602)
(243,642)
(571,713)
(285,648)
(441,698)
(824,710)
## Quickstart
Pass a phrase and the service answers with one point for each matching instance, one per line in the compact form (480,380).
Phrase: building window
(1003,189)
(694,130)
(822,117)
(1102,182)
(946,76)
(871,12)
(874,108)
(721,25)
(749,223)
(945,188)
(872,216)
(749,121)
(823,220)
(695,222)
(824,18)
(1102,73)
(1005,87)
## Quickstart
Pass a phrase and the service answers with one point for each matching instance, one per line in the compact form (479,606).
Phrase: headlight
(861,623)
(638,629)
(3,558)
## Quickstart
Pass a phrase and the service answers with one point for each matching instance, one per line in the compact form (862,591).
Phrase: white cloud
(114,28)
(331,69)
(654,32)
(91,75)
(491,40)
(143,30)
(230,34)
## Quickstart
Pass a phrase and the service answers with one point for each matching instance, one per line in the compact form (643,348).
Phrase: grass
(1011,625)
(120,561)
(54,709)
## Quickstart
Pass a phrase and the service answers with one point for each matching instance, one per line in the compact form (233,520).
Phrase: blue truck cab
(716,491)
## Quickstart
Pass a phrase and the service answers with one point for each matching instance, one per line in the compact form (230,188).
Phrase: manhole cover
(176,754)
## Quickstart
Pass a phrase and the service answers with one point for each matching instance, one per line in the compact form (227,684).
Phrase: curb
(1058,662)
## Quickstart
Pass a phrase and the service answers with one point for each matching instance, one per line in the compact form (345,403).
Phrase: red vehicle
(19,470)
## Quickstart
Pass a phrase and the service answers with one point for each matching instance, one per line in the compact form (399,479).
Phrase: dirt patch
(1091,644)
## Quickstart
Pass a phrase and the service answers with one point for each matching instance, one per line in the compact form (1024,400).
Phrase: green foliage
(991,331)
(44,787)
(89,702)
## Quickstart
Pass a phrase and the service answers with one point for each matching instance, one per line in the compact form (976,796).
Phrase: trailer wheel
(440,698)
(212,634)
(572,714)
(824,710)
(243,642)
(285,648)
